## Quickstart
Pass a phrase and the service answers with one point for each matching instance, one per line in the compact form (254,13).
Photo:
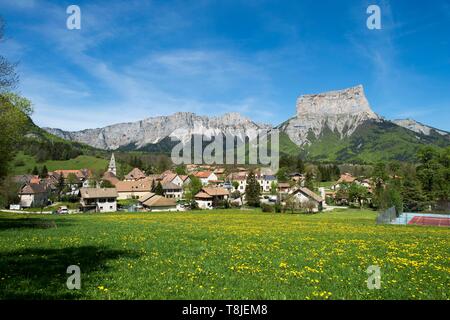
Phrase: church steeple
(112,165)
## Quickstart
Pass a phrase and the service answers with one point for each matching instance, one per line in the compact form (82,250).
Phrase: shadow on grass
(40,273)
(31,223)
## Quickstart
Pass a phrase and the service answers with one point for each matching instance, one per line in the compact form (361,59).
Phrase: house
(98,199)
(172,190)
(284,187)
(241,179)
(172,178)
(81,174)
(133,189)
(186,180)
(210,197)
(111,177)
(24,178)
(134,175)
(265,182)
(33,195)
(81,178)
(304,195)
(296,176)
(157,203)
(206,176)
(345,178)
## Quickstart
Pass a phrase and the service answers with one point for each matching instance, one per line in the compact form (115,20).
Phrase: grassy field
(27,163)
(221,255)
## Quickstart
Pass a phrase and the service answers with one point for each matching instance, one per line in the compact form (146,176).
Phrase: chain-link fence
(387,216)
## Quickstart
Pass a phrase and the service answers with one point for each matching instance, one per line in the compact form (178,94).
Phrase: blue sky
(137,59)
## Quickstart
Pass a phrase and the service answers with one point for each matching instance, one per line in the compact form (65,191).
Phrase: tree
(357,193)
(282,175)
(379,174)
(235,185)
(252,190)
(8,192)
(388,197)
(72,179)
(192,188)
(14,112)
(413,196)
(152,189)
(35,171)
(60,186)
(8,75)
(159,189)
(292,203)
(106,184)
(309,180)
(181,170)
(300,166)
(434,173)
(309,206)
(273,188)
(44,172)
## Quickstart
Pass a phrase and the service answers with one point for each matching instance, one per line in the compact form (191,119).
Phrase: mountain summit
(340,111)
(331,126)
(137,135)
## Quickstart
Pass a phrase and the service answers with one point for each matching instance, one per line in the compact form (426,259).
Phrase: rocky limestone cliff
(418,127)
(341,111)
(152,130)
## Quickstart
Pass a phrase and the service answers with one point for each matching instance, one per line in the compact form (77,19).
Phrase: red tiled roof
(202,174)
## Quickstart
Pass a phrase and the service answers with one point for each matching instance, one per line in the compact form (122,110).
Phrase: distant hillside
(23,164)
(46,146)
(372,141)
(39,148)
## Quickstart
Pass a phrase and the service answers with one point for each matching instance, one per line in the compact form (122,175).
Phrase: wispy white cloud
(148,86)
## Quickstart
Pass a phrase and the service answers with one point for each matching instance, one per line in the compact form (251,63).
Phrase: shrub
(267,207)
(278,208)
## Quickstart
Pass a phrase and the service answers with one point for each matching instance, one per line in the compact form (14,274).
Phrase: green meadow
(23,164)
(228,254)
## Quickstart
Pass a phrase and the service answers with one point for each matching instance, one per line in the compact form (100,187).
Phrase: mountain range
(332,126)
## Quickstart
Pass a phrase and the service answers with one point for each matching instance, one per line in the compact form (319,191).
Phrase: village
(170,191)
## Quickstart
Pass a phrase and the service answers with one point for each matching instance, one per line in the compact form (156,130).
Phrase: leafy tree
(190,190)
(181,170)
(309,206)
(106,184)
(72,179)
(252,190)
(8,75)
(282,175)
(388,197)
(13,123)
(292,203)
(379,174)
(8,192)
(273,188)
(357,193)
(235,185)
